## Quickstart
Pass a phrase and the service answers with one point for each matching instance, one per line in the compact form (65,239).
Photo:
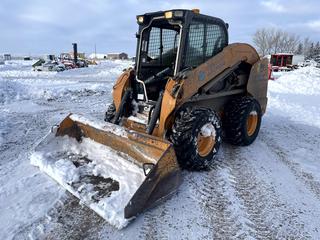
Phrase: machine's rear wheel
(110,113)
(196,137)
(242,119)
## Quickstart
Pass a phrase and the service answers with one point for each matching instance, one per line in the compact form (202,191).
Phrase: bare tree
(290,42)
(278,41)
(311,49)
(260,39)
(299,49)
(272,40)
(317,49)
(306,46)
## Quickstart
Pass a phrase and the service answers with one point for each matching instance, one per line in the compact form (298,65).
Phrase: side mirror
(227,25)
(147,167)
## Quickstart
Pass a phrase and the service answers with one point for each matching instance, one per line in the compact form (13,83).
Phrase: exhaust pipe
(75,53)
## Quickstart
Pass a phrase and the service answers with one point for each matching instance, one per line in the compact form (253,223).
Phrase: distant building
(98,56)
(114,56)
(7,57)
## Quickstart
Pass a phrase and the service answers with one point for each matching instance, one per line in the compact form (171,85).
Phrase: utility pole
(95,51)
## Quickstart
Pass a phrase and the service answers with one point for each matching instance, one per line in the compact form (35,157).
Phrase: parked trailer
(285,61)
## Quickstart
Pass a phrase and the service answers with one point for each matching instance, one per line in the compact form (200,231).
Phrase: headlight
(172,14)
(140,19)
(168,14)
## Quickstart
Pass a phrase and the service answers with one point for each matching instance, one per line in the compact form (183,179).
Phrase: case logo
(201,76)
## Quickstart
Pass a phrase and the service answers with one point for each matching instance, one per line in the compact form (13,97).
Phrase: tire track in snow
(153,224)
(270,217)
(306,178)
(251,193)
(221,210)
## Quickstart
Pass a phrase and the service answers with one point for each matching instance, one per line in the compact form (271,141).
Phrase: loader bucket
(115,171)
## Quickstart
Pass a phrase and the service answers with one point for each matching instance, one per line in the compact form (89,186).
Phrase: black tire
(110,113)
(237,128)
(185,137)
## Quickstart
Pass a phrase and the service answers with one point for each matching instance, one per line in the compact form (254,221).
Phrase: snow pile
(295,95)
(27,73)
(10,90)
(19,82)
(16,91)
(117,66)
(21,69)
(304,81)
(73,164)
(20,63)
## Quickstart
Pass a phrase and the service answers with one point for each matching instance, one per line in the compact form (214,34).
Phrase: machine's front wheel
(110,113)
(196,137)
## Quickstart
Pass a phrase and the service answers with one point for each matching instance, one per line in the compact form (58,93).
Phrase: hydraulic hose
(155,114)
(124,100)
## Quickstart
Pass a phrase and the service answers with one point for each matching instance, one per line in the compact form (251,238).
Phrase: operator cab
(172,41)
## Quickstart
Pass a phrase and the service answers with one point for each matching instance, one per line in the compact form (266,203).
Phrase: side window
(154,43)
(162,44)
(169,38)
(204,41)
(215,39)
(194,49)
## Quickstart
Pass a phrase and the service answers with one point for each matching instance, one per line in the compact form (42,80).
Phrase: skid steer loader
(189,89)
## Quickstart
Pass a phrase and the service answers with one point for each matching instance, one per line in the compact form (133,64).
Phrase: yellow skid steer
(188,89)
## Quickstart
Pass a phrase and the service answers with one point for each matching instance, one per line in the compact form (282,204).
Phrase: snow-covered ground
(269,190)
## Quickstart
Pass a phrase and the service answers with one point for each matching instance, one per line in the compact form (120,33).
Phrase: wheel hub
(252,123)
(206,140)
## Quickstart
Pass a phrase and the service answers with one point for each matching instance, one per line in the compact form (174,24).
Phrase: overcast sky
(45,26)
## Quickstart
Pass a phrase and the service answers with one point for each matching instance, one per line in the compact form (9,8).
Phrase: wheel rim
(206,140)
(252,123)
